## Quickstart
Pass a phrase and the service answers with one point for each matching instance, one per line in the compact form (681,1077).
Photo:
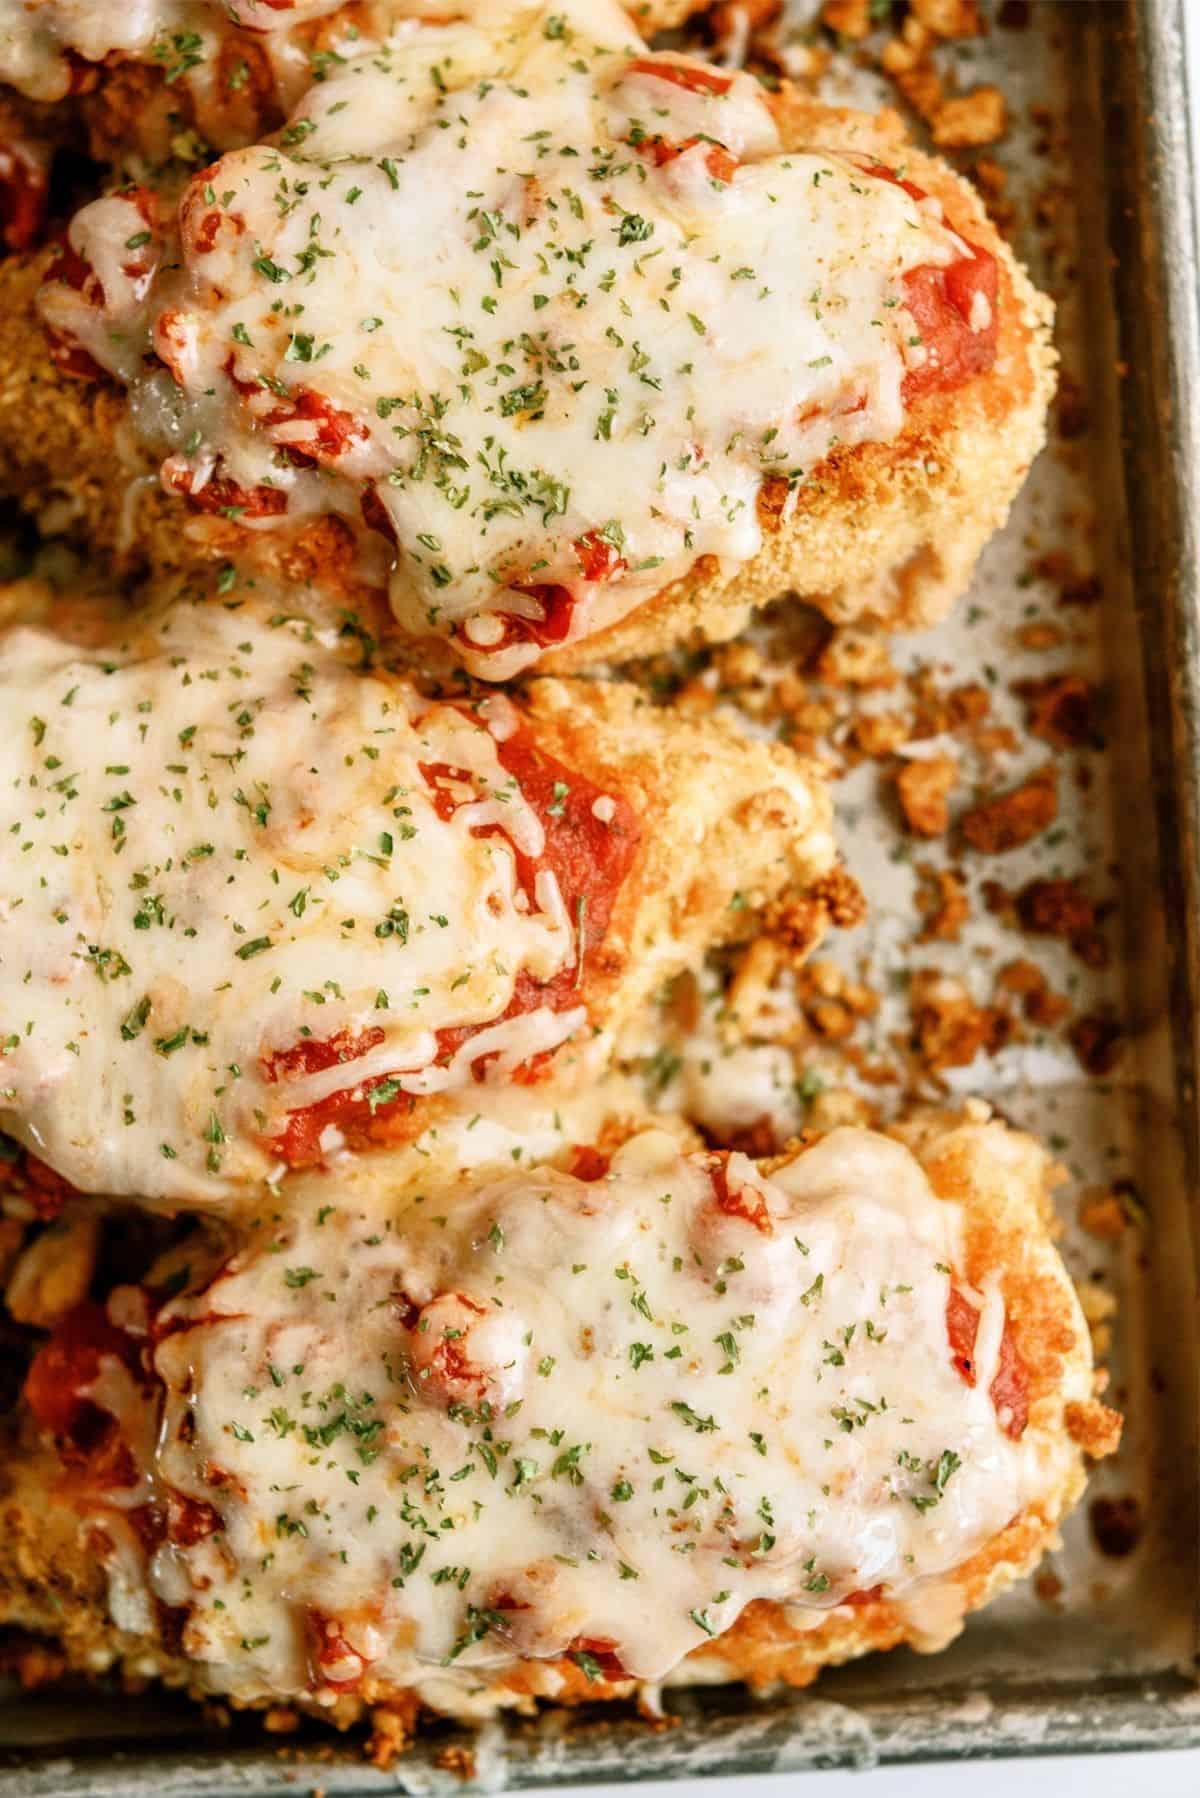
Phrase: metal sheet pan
(1113,1663)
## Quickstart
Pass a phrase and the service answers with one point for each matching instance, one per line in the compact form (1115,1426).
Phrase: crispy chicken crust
(728,824)
(890,533)
(53,1585)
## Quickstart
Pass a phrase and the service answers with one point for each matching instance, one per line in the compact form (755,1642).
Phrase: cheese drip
(415,1441)
(543,310)
(224,845)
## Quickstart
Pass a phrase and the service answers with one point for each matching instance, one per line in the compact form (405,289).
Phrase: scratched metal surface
(1111,1663)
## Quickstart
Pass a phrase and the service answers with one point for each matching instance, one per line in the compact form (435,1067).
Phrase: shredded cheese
(224,845)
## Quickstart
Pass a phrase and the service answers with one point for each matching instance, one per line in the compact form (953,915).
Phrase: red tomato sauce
(24,194)
(864,1595)
(941,301)
(590,861)
(602,1651)
(189,1520)
(329,1650)
(95,1456)
(335,429)
(722,165)
(312,1054)
(68,1362)
(696,79)
(36,1182)
(220,494)
(747,1202)
(1010,1387)
(588,1163)
(554,626)
(599,560)
(88,1439)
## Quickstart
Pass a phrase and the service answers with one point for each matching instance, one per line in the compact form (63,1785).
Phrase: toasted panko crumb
(878,734)
(921,86)
(841,897)
(1095,1301)
(948,1027)
(1013,818)
(942,902)
(393,1727)
(1061,709)
(949,18)
(738,664)
(1076,586)
(1099,1041)
(732,18)
(1048,1587)
(837,1105)
(1116,1523)
(755,973)
(853,658)
(1025,979)
(797,921)
(1055,908)
(33,1663)
(1042,633)
(900,57)
(1095,1427)
(456,1759)
(963,708)
(991,176)
(966,121)
(924,789)
(849,18)
(1102,1214)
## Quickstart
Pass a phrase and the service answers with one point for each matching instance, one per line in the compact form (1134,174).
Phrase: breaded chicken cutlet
(629,350)
(240,851)
(854,1383)
(167,77)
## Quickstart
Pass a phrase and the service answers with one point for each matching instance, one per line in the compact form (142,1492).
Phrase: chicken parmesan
(259,903)
(559,1435)
(164,78)
(575,350)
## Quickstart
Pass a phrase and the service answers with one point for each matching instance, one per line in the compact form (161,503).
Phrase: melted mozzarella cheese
(39,38)
(536,1416)
(223,843)
(236,66)
(551,309)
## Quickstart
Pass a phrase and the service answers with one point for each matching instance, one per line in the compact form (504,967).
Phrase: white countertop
(1173,1775)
